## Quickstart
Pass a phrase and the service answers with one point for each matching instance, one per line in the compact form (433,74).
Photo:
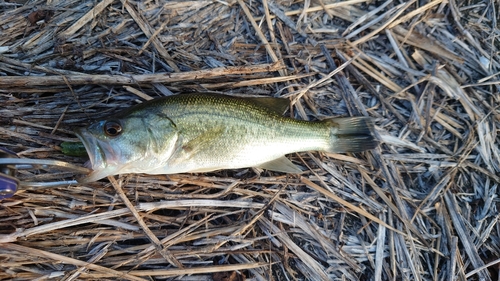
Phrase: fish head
(127,145)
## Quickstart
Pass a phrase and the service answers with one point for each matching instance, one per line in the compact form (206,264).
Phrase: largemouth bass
(206,132)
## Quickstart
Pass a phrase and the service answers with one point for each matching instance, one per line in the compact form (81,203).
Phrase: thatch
(422,206)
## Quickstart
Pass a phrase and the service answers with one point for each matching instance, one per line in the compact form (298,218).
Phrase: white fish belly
(235,157)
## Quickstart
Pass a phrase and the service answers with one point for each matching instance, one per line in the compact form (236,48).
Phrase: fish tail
(351,134)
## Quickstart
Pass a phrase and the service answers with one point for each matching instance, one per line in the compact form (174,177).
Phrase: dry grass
(422,206)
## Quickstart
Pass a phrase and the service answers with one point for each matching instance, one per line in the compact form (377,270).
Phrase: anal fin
(281,164)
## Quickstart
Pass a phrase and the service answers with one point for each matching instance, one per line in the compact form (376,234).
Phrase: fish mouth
(97,156)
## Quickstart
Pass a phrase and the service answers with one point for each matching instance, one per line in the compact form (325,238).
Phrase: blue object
(8,186)
(8,183)
(10,163)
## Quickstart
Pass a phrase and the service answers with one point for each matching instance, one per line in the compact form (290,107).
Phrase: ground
(423,205)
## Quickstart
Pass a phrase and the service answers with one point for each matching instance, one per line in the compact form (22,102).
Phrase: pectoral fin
(189,148)
(281,164)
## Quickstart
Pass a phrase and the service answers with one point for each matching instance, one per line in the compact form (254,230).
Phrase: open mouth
(96,150)
(96,155)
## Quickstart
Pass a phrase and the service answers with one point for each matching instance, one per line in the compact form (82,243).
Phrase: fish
(200,132)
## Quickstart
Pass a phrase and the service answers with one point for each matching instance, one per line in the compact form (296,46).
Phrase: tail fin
(351,134)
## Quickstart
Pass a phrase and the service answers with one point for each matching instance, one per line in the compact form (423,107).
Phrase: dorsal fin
(278,105)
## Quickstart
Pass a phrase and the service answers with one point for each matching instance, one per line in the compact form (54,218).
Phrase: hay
(422,206)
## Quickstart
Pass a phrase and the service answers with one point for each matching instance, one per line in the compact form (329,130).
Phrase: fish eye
(112,129)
